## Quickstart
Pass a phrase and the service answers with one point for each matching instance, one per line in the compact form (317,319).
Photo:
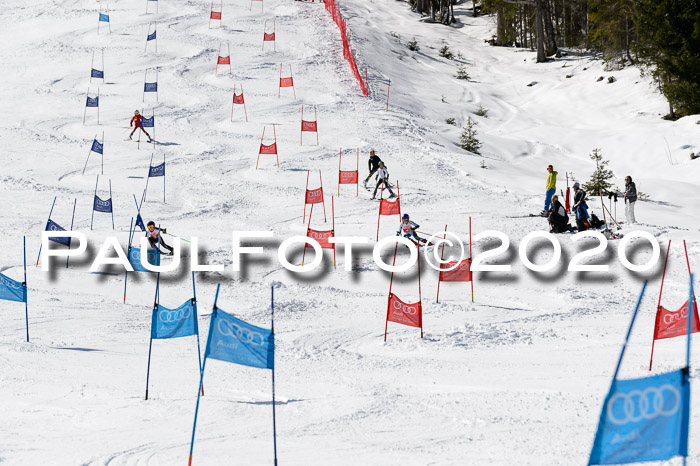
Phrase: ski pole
(175,236)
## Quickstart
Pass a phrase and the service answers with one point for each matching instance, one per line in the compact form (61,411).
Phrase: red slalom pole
(656,324)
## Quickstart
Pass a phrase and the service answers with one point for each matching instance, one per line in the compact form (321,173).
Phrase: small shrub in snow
(413,45)
(443,99)
(483,164)
(481,111)
(468,140)
(445,52)
(451,121)
(462,73)
(460,56)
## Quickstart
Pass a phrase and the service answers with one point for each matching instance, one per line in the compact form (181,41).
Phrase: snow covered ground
(517,377)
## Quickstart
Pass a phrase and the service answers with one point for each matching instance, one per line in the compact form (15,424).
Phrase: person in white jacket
(407,229)
(383,175)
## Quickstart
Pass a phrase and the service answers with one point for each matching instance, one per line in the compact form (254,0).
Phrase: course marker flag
(233,340)
(644,419)
(12,290)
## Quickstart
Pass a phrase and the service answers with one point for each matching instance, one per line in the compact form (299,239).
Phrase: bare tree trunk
(550,43)
(541,56)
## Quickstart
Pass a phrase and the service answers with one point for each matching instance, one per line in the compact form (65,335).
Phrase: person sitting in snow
(372,165)
(407,229)
(153,235)
(136,123)
(580,207)
(558,218)
(383,178)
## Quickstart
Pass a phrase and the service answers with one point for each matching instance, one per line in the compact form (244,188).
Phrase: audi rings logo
(674,317)
(54,227)
(103,203)
(245,335)
(321,236)
(644,404)
(405,308)
(314,194)
(175,315)
(10,283)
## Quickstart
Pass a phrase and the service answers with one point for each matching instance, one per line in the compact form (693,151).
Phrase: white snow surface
(517,377)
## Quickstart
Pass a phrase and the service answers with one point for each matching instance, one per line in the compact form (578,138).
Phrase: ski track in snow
(515,377)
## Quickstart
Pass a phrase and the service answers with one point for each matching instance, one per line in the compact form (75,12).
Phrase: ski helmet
(576,185)
(151,224)
(381,164)
(405,217)
(136,112)
(371,151)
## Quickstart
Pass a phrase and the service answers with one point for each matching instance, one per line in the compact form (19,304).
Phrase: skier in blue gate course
(407,229)
(136,123)
(152,234)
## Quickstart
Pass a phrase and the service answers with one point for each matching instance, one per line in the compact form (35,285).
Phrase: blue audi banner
(151,36)
(152,257)
(235,341)
(97,74)
(644,420)
(96,147)
(53,226)
(12,290)
(139,222)
(150,87)
(104,18)
(147,122)
(175,323)
(158,170)
(93,102)
(101,205)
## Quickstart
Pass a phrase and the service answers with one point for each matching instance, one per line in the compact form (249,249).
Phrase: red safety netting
(404,313)
(461,273)
(334,10)
(314,196)
(671,324)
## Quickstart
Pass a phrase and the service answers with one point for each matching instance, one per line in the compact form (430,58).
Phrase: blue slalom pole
(196,322)
(201,376)
(629,331)
(272,328)
(26,295)
(72,219)
(92,218)
(128,252)
(42,243)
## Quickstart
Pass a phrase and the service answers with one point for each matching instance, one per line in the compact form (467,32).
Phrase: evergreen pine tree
(599,184)
(468,140)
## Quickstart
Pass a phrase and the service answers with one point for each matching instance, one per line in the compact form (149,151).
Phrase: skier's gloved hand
(398,233)
(164,230)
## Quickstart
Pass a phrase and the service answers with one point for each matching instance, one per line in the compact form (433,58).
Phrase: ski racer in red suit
(136,123)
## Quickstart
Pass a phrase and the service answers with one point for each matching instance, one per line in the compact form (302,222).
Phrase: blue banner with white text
(644,420)
(158,170)
(152,257)
(174,323)
(11,290)
(93,102)
(53,226)
(236,341)
(101,205)
(96,147)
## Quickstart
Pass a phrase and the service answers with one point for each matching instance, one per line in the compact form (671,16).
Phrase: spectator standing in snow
(551,188)
(580,207)
(383,177)
(153,234)
(372,165)
(558,218)
(630,199)
(136,123)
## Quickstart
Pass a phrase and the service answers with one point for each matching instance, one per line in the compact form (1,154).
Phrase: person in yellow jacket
(551,189)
